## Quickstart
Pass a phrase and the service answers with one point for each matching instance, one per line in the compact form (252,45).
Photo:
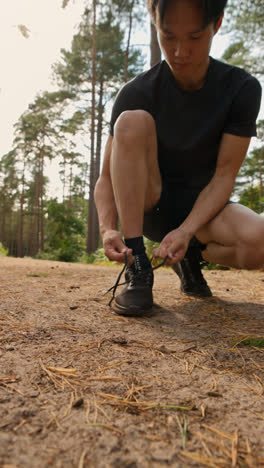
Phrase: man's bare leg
(136,185)
(235,237)
(134,170)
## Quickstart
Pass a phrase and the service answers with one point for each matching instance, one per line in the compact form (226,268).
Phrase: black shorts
(169,213)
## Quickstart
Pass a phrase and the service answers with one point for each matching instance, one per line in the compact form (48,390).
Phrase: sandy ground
(83,387)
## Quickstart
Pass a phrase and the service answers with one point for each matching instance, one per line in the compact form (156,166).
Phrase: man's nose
(181,49)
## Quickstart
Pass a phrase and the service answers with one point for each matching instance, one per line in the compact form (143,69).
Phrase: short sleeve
(130,97)
(244,109)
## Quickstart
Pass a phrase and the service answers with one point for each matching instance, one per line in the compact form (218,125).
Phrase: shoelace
(117,283)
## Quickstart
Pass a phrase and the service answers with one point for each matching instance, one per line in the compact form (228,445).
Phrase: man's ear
(218,24)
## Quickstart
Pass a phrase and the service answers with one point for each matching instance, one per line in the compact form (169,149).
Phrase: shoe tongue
(141,262)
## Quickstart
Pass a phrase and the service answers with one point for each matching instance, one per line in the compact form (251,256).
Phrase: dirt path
(83,387)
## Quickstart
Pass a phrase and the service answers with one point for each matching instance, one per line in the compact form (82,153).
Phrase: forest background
(69,126)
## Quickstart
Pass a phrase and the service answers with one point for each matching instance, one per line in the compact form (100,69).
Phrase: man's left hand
(174,246)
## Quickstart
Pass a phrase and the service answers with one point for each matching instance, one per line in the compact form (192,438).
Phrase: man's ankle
(136,244)
(138,249)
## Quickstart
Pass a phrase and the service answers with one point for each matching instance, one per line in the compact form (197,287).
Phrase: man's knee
(253,245)
(133,124)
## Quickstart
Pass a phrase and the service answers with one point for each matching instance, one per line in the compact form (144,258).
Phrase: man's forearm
(210,201)
(105,204)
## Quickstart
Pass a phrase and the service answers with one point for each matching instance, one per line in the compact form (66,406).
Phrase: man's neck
(195,82)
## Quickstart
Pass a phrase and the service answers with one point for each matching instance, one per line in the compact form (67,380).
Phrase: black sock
(138,248)
(194,242)
(195,249)
(136,244)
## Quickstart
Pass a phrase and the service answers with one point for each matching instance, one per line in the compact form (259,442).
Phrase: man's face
(183,40)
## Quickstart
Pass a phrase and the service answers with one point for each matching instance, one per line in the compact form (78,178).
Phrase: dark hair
(213,9)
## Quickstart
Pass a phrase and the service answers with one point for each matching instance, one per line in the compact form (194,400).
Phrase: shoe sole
(193,294)
(118,309)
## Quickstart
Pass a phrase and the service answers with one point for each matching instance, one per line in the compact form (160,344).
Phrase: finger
(159,252)
(129,254)
(120,257)
(130,260)
(171,260)
(119,245)
(163,252)
(114,256)
(115,246)
(175,257)
(156,252)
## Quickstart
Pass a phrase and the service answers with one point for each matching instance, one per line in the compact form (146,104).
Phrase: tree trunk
(155,52)
(70,185)
(37,211)
(3,220)
(20,248)
(128,42)
(11,249)
(99,130)
(98,160)
(30,232)
(63,177)
(91,209)
(41,214)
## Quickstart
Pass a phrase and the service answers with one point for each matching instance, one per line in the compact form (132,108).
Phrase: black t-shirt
(190,124)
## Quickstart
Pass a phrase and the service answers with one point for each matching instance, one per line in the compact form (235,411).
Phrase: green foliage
(238,54)
(88,258)
(253,342)
(75,69)
(150,246)
(214,266)
(96,257)
(250,197)
(48,254)
(250,180)
(3,252)
(8,178)
(245,23)
(65,233)
(246,19)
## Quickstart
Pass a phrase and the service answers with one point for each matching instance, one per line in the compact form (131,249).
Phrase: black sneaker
(190,274)
(136,297)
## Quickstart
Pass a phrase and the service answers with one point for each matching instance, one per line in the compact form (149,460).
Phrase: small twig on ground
(183,430)
(234,449)
(82,458)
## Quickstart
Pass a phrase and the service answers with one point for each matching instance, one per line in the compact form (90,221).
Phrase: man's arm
(107,212)
(104,196)
(214,196)
(211,200)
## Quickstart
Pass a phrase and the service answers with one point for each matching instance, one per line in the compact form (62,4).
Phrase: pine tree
(245,23)
(37,139)
(94,69)
(251,176)
(8,199)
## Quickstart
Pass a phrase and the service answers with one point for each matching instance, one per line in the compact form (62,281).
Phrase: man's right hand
(115,248)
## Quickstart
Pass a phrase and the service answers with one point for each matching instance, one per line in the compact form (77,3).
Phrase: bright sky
(26,63)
